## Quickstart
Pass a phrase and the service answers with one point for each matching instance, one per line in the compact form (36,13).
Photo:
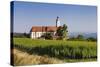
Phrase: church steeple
(57,22)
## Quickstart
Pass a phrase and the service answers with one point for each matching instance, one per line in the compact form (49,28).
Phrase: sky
(78,18)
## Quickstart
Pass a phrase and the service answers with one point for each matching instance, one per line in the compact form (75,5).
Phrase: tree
(62,32)
(91,39)
(47,36)
(24,34)
(27,35)
(65,31)
(72,38)
(80,37)
(59,31)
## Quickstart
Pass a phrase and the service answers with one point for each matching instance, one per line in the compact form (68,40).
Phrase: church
(37,31)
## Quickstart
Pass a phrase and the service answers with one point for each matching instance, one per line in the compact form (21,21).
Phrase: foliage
(62,32)
(47,36)
(91,39)
(80,37)
(21,35)
(65,31)
(59,31)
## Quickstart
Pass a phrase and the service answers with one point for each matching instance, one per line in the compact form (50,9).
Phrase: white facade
(35,35)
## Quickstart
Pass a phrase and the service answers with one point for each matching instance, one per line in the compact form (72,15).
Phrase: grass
(68,51)
(34,43)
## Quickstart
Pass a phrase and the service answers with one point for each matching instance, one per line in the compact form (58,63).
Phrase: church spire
(57,22)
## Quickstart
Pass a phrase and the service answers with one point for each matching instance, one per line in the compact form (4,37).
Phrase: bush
(48,36)
(91,39)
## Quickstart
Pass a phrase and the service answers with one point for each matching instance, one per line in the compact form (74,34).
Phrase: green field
(74,50)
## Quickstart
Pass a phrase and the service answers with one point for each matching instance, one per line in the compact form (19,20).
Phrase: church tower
(57,22)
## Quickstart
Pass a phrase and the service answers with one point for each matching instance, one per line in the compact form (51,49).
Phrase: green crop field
(58,48)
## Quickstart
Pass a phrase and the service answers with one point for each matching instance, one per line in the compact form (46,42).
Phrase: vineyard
(58,48)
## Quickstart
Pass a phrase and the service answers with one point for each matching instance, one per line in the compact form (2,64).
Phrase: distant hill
(86,35)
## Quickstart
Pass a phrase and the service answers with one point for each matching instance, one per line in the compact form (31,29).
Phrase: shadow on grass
(61,52)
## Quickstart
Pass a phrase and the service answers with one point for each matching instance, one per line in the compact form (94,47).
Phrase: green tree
(47,36)
(59,31)
(80,37)
(91,39)
(62,32)
(65,32)
(27,35)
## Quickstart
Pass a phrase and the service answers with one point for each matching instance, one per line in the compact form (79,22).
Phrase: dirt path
(23,58)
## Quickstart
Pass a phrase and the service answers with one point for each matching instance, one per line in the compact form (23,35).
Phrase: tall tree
(62,32)
(59,31)
(65,32)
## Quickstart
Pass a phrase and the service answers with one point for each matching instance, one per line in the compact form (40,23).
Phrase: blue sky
(78,18)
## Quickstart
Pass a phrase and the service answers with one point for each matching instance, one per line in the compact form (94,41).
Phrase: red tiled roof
(44,28)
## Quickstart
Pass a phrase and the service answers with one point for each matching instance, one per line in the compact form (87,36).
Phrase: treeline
(82,38)
(21,35)
(49,36)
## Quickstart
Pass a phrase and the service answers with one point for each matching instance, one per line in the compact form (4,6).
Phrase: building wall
(35,35)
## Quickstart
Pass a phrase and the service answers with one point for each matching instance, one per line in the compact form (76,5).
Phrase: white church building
(38,31)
